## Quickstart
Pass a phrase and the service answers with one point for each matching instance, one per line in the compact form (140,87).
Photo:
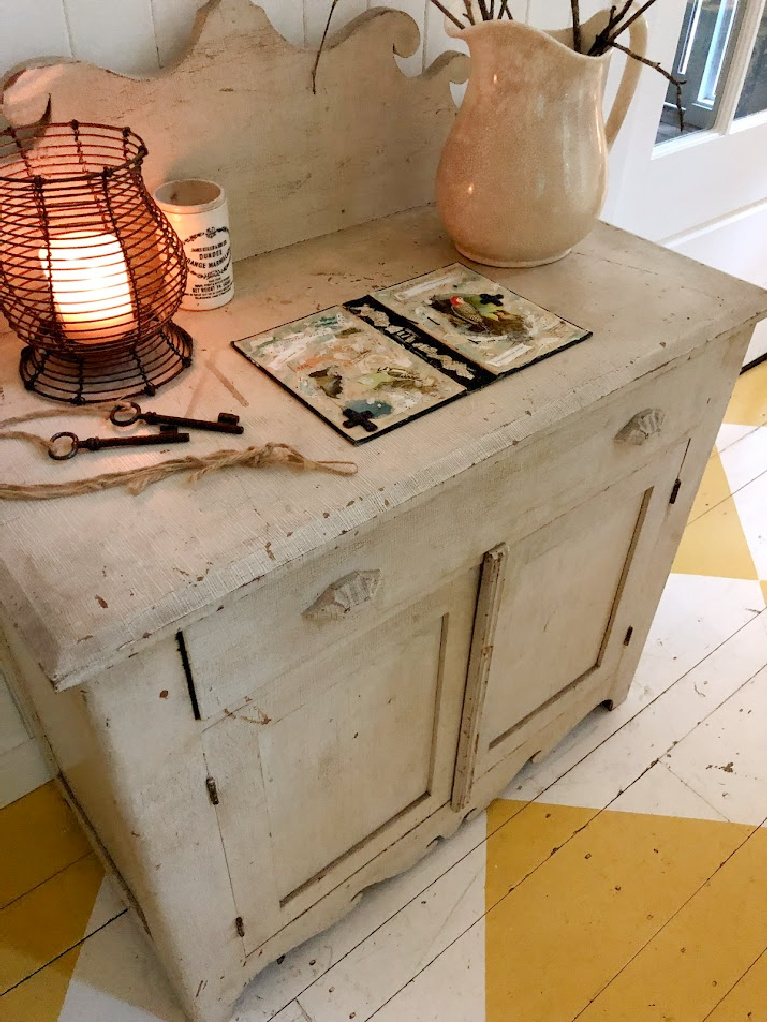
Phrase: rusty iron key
(130,412)
(96,443)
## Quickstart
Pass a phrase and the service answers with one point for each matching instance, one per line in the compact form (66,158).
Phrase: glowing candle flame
(90,286)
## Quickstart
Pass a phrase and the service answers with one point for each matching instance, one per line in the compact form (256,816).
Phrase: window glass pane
(702,60)
(753,97)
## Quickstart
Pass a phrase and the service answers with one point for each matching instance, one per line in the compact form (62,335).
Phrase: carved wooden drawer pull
(641,426)
(345,596)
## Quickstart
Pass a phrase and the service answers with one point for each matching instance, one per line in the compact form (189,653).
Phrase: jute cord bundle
(137,479)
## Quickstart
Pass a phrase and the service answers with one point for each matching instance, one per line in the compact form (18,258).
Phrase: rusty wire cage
(90,269)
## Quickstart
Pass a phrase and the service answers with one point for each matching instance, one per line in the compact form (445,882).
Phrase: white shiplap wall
(139,36)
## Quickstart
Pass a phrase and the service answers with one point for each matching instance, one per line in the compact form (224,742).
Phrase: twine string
(137,479)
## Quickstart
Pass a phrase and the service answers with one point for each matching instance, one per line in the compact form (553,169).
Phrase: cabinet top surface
(87,580)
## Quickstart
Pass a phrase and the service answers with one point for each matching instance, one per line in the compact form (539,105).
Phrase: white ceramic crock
(198,213)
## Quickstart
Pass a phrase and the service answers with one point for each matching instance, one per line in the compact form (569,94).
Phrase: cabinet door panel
(560,617)
(324,770)
(554,624)
(352,759)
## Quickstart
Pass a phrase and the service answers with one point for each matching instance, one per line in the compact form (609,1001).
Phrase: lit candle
(90,286)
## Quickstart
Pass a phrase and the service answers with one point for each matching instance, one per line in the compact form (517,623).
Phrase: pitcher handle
(638,43)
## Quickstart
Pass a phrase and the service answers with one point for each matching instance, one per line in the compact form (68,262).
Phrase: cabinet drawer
(336,594)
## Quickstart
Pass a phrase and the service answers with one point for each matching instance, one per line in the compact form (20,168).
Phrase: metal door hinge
(210,784)
(629,633)
(675,491)
(240,926)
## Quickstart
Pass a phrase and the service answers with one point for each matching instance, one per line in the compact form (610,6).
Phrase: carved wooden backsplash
(239,109)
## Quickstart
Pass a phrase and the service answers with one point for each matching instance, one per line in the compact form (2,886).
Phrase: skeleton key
(97,443)
(130,412)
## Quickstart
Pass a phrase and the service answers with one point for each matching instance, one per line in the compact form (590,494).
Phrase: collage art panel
(379,361)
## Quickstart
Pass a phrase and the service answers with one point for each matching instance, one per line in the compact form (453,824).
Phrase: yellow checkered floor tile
(620,878)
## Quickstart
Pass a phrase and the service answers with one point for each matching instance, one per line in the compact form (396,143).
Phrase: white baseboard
(22,769)
(757,349)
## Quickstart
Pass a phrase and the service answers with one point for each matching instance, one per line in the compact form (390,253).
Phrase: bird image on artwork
(394,376)
(329,379)
(460,308)
(482,314)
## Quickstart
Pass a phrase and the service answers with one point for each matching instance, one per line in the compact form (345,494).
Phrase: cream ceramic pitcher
(523,175)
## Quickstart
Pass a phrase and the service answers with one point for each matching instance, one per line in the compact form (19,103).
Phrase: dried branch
(322,43)
(504,9)
(451,17)
(600,44)
(469,14)
(676,82)
(483,10)
(637,14)
(624,10)
(575,7)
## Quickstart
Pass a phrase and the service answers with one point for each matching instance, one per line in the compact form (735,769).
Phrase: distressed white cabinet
(267,690)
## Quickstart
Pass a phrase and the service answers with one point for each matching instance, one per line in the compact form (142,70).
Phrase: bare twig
(576,9)
(599,45)
(676,82)
(624,10)
(441,7)
(504,9)
(483,10)
(469,13)
(637,14)
(614,28)
(322,43)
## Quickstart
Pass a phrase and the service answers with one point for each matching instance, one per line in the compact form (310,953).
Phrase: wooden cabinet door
(555,613)
(328,766)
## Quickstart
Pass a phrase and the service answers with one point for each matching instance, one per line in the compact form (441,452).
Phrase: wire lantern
(91,272)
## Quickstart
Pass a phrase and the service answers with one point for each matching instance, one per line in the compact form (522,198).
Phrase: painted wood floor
(621,878)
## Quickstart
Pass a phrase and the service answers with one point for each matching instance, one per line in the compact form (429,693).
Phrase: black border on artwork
(482,377)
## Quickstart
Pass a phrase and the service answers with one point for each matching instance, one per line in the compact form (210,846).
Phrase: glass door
(701,190)
(707,45)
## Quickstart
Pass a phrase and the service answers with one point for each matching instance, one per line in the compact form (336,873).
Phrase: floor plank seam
(689,787)
(61,954)
(730,496)
(673,916)
(306,1016)
(737,983)
(734,443)
(42,883)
